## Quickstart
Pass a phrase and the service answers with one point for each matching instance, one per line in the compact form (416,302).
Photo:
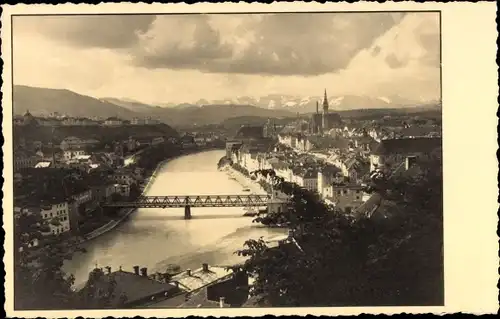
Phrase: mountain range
(43,101)
(307,104)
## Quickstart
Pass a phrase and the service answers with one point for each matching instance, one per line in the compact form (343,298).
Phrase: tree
(39,281)
(391,258)
(135,191)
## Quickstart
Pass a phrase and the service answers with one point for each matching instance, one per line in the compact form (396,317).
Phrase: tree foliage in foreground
(391,258)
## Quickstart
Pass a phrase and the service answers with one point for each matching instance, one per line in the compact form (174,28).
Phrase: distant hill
(215,114)
(229,113)
(188,114)
(134,106)
(41,101)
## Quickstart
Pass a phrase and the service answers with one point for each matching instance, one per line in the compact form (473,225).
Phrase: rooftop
(200,300)
(134,287)
(196,279)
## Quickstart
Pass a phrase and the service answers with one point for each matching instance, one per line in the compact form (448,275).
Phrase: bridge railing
(196,201)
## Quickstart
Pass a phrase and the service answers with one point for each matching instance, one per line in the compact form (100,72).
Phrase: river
(154,238)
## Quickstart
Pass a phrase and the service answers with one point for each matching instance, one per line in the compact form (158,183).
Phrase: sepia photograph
(227,160)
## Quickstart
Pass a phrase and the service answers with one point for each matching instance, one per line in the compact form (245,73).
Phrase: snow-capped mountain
(307,104)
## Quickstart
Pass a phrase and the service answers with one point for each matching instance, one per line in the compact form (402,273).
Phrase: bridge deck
(195,201)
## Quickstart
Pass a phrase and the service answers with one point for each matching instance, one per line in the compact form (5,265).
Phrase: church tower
(325,113)
(325,104)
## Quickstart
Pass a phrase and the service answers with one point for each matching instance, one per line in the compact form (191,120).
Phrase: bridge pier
(187,212)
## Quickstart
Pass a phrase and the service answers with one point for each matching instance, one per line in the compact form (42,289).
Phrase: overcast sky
(183,58)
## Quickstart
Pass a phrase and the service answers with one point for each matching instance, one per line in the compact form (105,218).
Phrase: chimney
(136,270)
(221,302)
(144,272)
(205,267)
(188,272)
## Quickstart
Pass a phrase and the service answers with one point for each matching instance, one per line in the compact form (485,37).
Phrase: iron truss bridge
(195,201)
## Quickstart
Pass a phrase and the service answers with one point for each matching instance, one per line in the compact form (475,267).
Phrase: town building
(187,141)
(56,213)
(24,158)
(26,119)
(113,121)
(151,121)
(307,179)
(323,122)
(78,121)
(70,154)
(346,197)
(271,129)
(326,176)
(73,142)
(123,177)
(122,190)
(137,121)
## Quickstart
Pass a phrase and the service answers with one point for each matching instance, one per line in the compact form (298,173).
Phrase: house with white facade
(57,215)
(113,121)
(306,178)
(346,197)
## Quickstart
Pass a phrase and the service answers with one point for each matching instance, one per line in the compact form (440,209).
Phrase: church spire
(325,103)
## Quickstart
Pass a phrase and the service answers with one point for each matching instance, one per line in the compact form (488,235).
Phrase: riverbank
(244,181)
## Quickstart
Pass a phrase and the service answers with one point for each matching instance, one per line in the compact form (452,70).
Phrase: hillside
(215,114)
(187,115)
(133,106)
(104,134)
(45,101)
(41,101)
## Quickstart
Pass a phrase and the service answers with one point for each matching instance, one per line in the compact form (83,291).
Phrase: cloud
(270,44)
(92,31)
(405,60)
(180,42)
(188,57)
